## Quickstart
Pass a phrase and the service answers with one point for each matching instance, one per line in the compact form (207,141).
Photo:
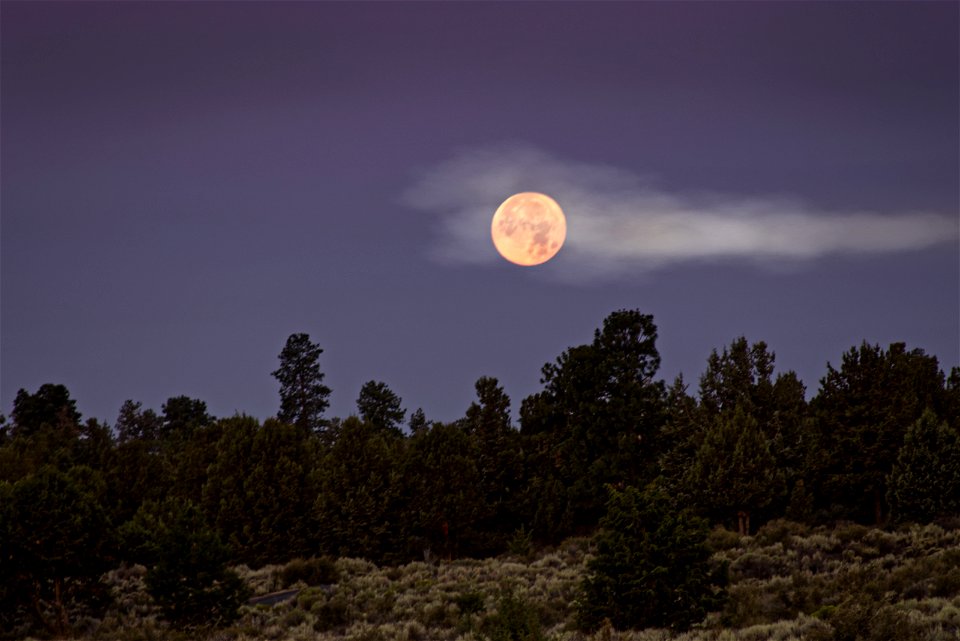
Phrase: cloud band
(617,221)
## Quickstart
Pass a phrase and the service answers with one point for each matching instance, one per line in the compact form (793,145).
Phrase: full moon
(528,228)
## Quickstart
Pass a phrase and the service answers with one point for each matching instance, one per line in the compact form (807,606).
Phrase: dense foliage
(878,443)
(651,567)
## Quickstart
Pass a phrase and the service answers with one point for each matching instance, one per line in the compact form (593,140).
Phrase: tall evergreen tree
(651,567)
(136,424)
(740,379)
(734,474)
(303,396)
(182,416)
(359,500)
(47,432)
(51,405)
(596,420)
(418,421)
(380,406)
(680,436)
(740,376)
(186,561)
(258,491)
(445,494)
(863,411)
(56,544)
(499,460)
(925,481)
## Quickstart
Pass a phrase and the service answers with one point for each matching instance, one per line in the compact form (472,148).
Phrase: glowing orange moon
(528,228)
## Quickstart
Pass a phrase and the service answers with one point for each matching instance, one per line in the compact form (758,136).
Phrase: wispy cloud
(617,221)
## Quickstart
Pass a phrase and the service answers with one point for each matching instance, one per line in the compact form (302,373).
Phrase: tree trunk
(877,506)
(38,611)
(743,522)
(61,610)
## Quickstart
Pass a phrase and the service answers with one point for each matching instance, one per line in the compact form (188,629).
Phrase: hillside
(787,582)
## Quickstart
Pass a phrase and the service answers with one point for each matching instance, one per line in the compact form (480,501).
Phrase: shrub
(332,614)
(852,618)
(780,531)
(754,565)
(316,571)
(470,602)
(294,617)
(721,539)
(414,631)
(514,620)
(884,542)
(847,532)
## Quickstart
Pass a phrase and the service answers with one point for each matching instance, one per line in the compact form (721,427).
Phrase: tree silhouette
(380,406)
(51,406)
(303,396)
(863,411)
(734,474)
(596,420)
(925,481)
(651,567)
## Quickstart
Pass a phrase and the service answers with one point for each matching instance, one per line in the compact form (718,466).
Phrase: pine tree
(259,492)
(925,481)
(734,474)
(597,418)
(418,421)
(380,406)
(652,565)
(303,396)
(186,561)
(358,502)
(56,543)
(446,498)
(499,461)
(863,411)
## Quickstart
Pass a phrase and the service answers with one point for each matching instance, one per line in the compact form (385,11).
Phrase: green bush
(316,571)
(754,565)
(780,531)
(470,602)
(294,617)
(722,539)
(332,614)
(514,620)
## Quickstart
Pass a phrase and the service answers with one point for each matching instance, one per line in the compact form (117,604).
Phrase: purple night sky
(184,185)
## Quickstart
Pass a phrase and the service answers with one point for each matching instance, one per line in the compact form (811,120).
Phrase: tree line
(186,493)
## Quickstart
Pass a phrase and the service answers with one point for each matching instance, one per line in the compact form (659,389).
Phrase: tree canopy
(603,449)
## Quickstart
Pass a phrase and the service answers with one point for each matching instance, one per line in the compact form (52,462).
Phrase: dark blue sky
(186,184)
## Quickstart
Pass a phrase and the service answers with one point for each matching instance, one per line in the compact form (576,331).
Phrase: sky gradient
(184,185)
